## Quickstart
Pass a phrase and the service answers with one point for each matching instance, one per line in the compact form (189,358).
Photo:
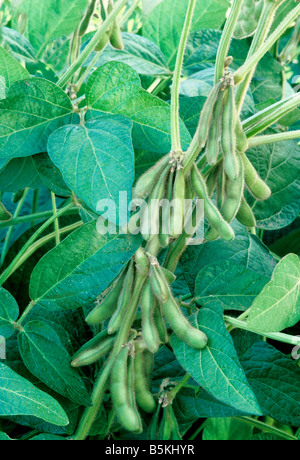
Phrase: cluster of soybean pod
(220,182)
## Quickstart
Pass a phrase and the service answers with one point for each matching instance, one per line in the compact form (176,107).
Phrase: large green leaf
(19,397)
(75,272)
(139,53)
(165,22)
(233,285)
(246,251)
(116,88)
(275,379)
(33,109)
(96,159)
(19,173)
(18,45)
(279,165)
(278,306)
(226,429)
(10,70)
(47,359)
(51,19)
(50,175)
(9,312)
(216,368)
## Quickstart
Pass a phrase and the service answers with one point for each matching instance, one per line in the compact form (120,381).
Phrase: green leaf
(96,160)
(19,397)
(279,165)
(233,285)
(10,70)
(51,19)
(50,175)
(216,368)
(4,214)
(46,358)
(139,53)
(47,437)
(75,272)
(165,22)
(277,307)
(248,18)
(9,312)
(226,429)
(246,250)
(4,437)
(274,378)
(116,88)
(34,108)
(18,45)
(19,173)
(190,406)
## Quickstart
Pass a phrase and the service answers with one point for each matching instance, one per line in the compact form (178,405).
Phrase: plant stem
(263,28)
(267,117)
(56,222)
(91,45)
(91,412)
(226,38)
(42,241)
(87,70)
(270,139)
(11,229)
(172,394)
(264,427)
(175,122)
(243,71)
(279,337)
(32,218)
(11,268)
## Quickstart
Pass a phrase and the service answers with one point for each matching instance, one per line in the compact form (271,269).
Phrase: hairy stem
(271,138)
(175,122)
(226,38)
(266,428)
(56,222)
(33,217)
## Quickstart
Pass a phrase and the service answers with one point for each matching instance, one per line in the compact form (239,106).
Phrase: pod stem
(90,413)
(226,38)
(175,121)
(271,138)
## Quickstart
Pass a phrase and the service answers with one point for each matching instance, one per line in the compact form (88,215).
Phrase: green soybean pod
(144,398)
(116,39)
(257,187)
(126,412)
(175,434)
(242,142)
(150,224)
(165,228)
(149,331)
(142,263)
(245,215)
(232,202)
(125,296)
(212,213)
(160,324)
(177,220)
(93,354)
(154,425)
(165,429)
(228,138)
(86,20)
(108,306)
(214,135)
(212,179)
(148,366)
(181,326)
(147,181)
(206,115)
(159,283)
(104,40)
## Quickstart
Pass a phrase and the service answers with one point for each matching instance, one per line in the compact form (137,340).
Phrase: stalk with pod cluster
(216,169)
